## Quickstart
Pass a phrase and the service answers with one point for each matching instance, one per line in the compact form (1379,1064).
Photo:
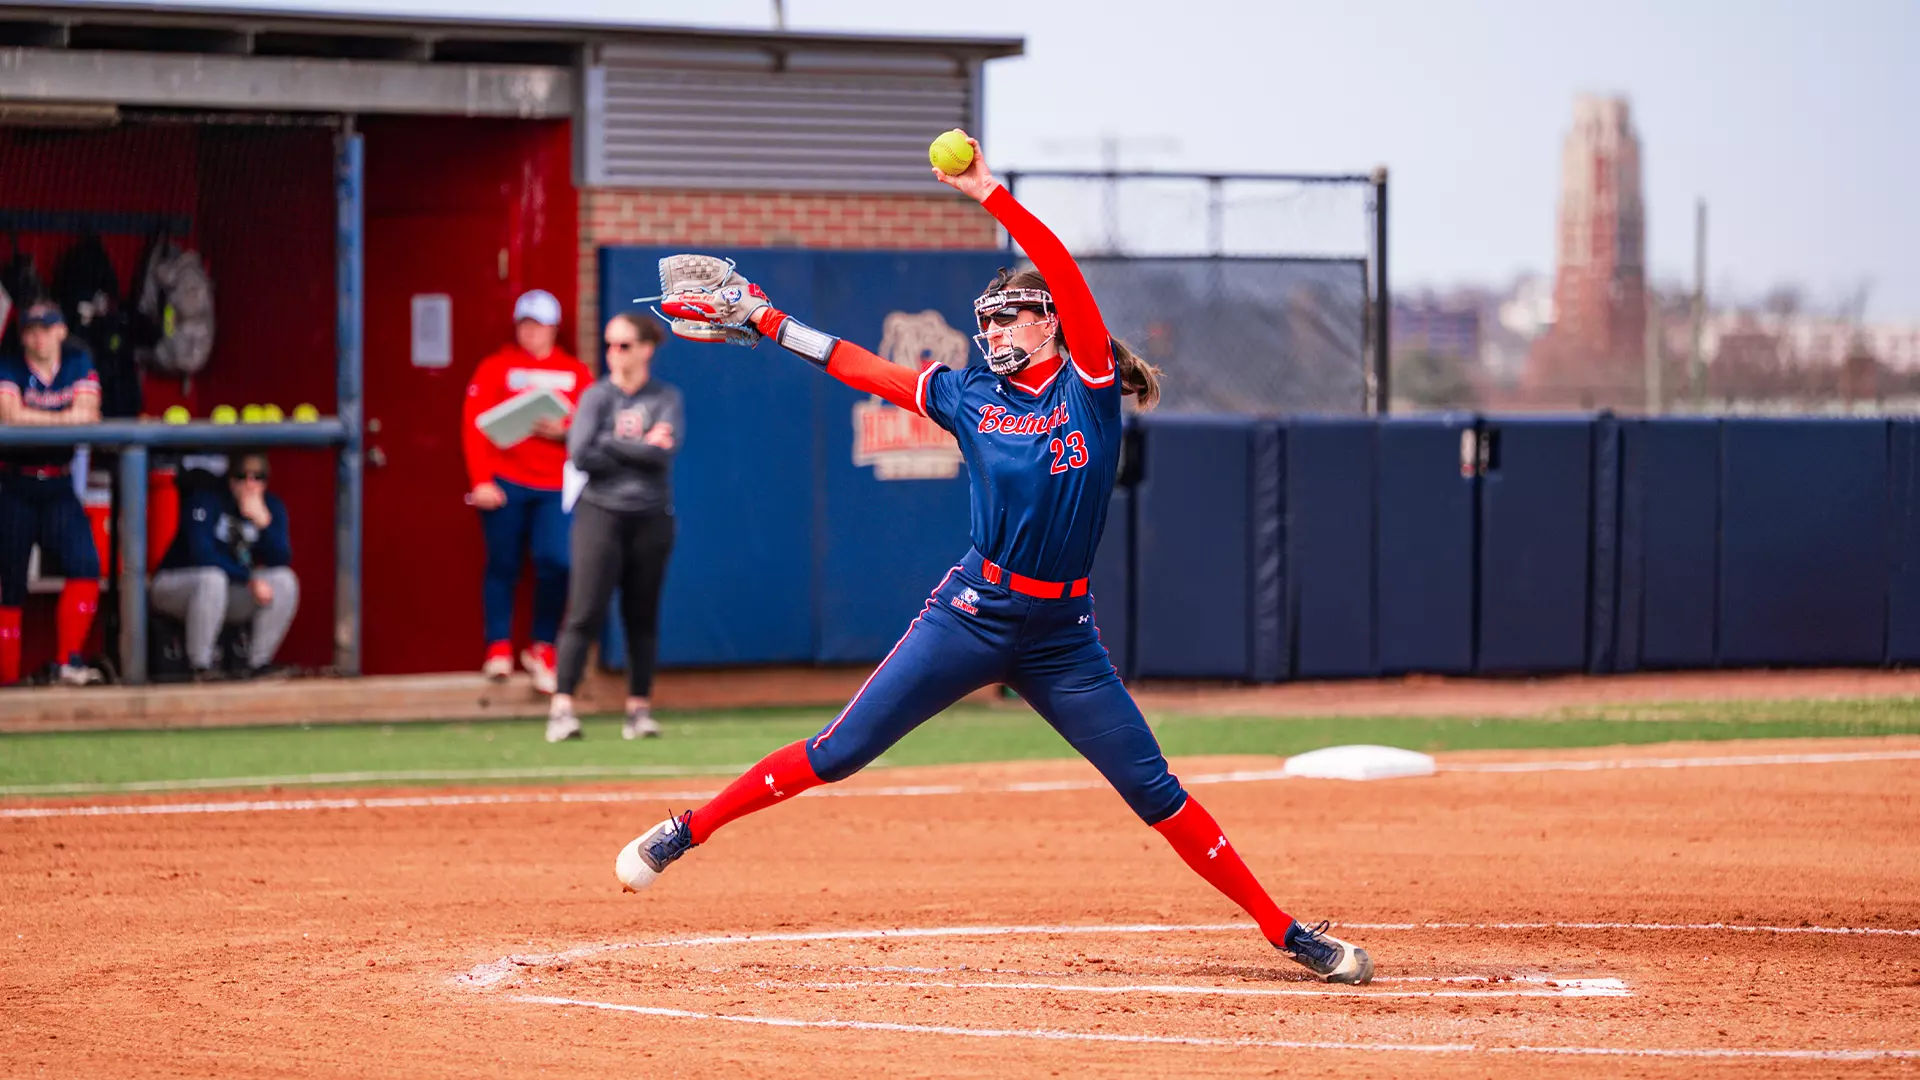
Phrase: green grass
(721,743)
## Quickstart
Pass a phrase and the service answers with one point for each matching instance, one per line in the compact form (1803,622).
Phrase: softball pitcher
(1039,425)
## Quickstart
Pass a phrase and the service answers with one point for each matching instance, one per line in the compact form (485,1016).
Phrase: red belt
(1020,583)
(38,472)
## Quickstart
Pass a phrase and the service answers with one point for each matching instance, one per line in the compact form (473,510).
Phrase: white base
(1361,762)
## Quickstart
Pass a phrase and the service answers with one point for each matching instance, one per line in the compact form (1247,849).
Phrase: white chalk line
(403,776)
(908,969)
(1530,987)
(482,976)
(1198,1040)
(1836,758)
(1239,776)
(393,802)
(1713,927)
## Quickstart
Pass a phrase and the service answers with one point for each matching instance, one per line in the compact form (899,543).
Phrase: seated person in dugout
(49,382)
(230,563)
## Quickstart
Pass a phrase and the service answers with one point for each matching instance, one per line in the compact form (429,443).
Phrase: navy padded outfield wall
(1669,543)
(1603,552)
(1903,589)
(1535,515)
(1426,563)
(1268,632)
(1193,548)
(788,550)
(739,586)
(1803,542)
(887,543)
(1329,533)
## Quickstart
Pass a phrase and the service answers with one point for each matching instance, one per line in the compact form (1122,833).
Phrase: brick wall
(614,216)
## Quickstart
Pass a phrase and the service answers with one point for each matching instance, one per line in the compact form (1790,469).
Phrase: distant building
(1594,354)
(1437,329)
(1817,340)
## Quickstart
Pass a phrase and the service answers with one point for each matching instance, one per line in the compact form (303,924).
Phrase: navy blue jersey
(1040,466)
(74,378)
(213,532)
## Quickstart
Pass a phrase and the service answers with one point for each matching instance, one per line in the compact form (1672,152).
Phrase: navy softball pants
(44,512)
(973,634)
(531,521)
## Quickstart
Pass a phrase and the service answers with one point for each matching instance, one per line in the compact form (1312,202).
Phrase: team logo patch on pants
(967,601)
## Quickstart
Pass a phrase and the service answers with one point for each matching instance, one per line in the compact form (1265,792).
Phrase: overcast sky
(1793,119)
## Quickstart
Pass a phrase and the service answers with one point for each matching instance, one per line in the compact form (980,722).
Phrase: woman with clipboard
(515,476)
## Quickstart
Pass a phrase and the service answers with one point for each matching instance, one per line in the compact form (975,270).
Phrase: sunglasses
(1005,317)
(252,475)
(622,346)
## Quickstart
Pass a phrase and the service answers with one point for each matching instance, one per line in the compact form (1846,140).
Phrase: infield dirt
(333,942)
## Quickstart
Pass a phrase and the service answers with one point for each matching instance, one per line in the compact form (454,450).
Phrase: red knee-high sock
(1201,843)
(780,776)
(79,600)
(9,645)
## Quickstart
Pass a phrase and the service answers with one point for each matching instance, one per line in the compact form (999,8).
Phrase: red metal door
(448,213)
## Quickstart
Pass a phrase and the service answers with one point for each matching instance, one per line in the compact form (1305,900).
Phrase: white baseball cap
(538,305)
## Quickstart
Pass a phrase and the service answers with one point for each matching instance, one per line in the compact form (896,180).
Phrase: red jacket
(536,461)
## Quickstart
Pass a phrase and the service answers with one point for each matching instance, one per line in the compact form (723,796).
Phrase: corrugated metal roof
(240,30)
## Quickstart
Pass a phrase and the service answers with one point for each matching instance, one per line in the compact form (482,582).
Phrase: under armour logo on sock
(1214,851)
(771,786)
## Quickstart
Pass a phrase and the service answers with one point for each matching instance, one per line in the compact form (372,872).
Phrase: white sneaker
(562,725)
(640,725)
(539,663)
(79,675)
(498,668)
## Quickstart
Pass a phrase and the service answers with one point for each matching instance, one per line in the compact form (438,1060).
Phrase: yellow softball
(950,152)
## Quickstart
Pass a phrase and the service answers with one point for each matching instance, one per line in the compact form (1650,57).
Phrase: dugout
(368,194)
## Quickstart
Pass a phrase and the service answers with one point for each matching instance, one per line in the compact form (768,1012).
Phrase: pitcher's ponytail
(1137,377)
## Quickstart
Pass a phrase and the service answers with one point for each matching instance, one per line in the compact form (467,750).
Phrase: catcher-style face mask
(1003,310)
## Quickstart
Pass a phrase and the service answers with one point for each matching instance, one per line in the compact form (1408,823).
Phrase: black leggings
(614,550)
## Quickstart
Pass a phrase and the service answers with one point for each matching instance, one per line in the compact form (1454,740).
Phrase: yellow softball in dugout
(950,152)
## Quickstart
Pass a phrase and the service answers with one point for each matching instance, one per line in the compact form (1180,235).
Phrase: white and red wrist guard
(795,336)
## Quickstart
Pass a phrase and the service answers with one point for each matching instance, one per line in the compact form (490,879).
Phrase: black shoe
(270,673)
(1327,956)
(208,675)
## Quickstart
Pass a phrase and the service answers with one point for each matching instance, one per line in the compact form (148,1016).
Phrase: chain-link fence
(1254,294)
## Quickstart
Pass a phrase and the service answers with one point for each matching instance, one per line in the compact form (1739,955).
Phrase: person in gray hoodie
(625,433)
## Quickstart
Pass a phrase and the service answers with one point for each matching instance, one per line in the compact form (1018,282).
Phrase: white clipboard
(510,422)
(572,482)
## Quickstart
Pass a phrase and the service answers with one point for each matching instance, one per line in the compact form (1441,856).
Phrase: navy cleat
(1327,956)
(641,861)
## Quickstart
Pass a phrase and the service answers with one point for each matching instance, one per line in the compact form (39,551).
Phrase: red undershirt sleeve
(862,370)
(1080,321)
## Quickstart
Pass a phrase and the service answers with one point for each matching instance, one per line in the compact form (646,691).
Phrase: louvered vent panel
(823,123)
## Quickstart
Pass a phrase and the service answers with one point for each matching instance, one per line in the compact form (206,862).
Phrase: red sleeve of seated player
(1080,323)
